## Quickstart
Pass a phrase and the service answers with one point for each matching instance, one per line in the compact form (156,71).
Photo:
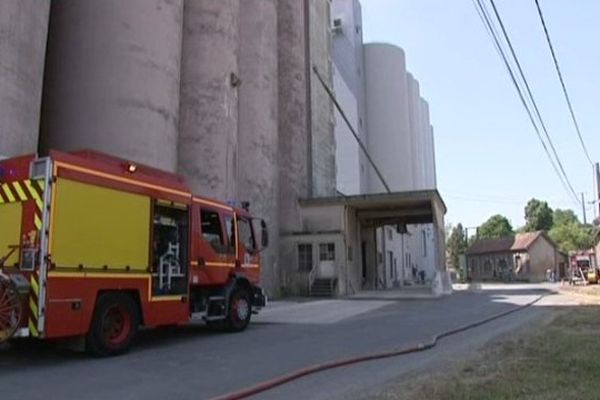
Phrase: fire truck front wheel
(114,325)
(240,310)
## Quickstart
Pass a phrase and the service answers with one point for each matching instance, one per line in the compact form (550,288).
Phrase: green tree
(538,216)
(496,226)
(568,233)
(457,244)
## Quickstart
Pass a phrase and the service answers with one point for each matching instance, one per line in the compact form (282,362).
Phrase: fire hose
(313,369)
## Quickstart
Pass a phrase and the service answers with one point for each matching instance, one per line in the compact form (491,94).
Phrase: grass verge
(560,360)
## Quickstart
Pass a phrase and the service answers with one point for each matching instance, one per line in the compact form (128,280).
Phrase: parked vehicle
(92,247)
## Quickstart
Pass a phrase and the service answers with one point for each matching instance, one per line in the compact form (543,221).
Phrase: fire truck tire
(240,310)
(114,325)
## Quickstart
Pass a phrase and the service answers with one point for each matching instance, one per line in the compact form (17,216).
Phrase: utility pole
(597,189)
(583,208)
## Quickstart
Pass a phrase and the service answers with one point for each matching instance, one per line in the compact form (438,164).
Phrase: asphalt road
(194,363)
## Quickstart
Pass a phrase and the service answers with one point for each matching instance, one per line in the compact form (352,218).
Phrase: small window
(230,233)
(424,244)
(246,235)
(305,256)
(389,232)
(212,231)
(326,252)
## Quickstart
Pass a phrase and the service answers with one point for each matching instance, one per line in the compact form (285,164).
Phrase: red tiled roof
(519,242)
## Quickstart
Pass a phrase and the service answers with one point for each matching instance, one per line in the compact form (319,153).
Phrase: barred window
(305,256)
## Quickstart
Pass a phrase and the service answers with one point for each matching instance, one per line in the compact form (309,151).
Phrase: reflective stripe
(34,286)
(8,193)
(33,307)
(32,329)
(35,195)
(19,190)
(37,221)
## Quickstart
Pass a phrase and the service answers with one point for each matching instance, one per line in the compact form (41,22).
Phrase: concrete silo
(112,78)
(389,135)
(23,32)
(415,122)
(426,148)
(258,124)
(209,97)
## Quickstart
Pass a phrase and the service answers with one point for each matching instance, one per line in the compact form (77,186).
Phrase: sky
(489,159)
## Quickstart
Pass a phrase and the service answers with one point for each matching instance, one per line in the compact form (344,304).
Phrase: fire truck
(583,268)
(93,247)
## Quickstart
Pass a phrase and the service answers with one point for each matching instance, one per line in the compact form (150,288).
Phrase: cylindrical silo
(426,147)
(258,123)
(414,107)
(433,163)
(209,97)
(389,140)
(23,32)
(112,79)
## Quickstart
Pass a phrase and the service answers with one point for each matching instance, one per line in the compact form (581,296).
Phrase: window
(211,230)
(246,235)
(326,252)
(424,244)
(305,256)
(230,233)
(389,232)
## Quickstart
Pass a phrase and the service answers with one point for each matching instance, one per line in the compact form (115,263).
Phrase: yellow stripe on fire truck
(21,191)
(33,308)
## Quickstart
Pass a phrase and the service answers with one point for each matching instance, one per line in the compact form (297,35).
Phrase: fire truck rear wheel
(240,310)
(114,325)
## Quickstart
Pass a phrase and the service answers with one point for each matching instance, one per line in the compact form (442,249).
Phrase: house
(524,257)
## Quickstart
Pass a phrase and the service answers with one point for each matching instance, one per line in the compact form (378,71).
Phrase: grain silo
(258,123)
(112,78)
(23,32)
(209,97)
(415,122)
(389,136)
(426,149)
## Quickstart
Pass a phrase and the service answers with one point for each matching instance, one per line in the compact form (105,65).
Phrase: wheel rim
(10,310)
(241,309)
(116,325)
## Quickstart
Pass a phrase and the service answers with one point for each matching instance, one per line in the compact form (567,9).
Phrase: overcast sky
(489,159)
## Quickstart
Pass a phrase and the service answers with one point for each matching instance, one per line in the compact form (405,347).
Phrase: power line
(486,19)
(533,102)
(562,83)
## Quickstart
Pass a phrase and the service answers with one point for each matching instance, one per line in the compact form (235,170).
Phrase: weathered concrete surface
(23,32)
(258,125)
(294,120)
(208,147)
(112,78)
(322,124)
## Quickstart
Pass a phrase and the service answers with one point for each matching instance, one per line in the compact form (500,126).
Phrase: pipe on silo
(208,147)
(23,34)
(258,124)
(112,79)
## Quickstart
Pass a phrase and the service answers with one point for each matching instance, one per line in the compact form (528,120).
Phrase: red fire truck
(92,247)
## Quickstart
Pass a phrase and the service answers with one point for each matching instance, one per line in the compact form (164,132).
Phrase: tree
(538,216)
(572,236)
(568,233)
(457,244)
(496,226)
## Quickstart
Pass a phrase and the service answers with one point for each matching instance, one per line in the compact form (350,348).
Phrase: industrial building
(224,94)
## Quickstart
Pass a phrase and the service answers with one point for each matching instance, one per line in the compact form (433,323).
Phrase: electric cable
(562,83)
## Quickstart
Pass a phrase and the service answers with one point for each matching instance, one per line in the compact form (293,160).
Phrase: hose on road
(280,380)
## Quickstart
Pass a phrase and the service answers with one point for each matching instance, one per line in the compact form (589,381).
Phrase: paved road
(194,363)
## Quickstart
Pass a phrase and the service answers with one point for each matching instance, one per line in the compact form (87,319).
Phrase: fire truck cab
(92,247)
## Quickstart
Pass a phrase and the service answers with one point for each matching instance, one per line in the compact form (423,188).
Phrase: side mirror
(264,234)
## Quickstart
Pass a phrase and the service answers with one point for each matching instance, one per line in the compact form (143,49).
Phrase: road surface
(194,363)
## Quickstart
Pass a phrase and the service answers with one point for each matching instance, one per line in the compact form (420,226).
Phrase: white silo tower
(209,97)
(389,138)
(23,32)
(415,123)
(112,79)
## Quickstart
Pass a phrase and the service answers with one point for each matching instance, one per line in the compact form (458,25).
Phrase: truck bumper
(259,299)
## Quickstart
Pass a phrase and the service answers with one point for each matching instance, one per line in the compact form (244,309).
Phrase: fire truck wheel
(114,325)
(240,310)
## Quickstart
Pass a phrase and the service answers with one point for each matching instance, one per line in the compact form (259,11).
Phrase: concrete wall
(208,127)
(294,112)
(349,86)
(112,79)
(322,122)
(258,125)
(23,32)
